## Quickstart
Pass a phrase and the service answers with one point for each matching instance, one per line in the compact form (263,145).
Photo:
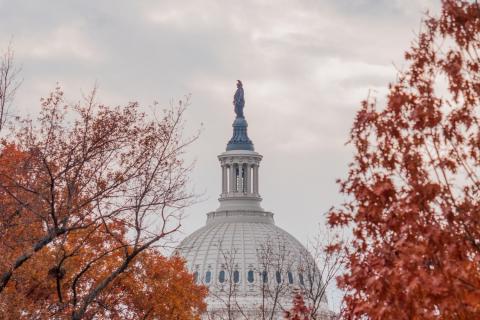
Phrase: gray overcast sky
(305,65)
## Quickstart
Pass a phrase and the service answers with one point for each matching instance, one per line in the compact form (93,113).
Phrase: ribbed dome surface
(242,241)
(245,249)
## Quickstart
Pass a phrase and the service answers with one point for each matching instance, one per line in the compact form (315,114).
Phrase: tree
(87,195)
(8,83)
(299,310)
(414,182)
(274,280)
(275,261)
(321,263)
(272,257)
(225,293)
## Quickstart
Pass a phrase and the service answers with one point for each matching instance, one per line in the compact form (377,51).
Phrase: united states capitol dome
(250,266)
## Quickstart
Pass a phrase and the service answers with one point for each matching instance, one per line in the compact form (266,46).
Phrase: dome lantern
(240,164)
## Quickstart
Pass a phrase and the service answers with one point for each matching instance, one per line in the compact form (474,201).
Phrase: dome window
(265,276)
(278,276)
(250,276)
(208,277)
(236,276)
(221,276)
(300,278)
(290,277)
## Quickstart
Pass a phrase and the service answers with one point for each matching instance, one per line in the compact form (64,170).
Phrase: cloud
(64,42)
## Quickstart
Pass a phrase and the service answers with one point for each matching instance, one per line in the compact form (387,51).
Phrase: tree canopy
(414,183)
(88,193)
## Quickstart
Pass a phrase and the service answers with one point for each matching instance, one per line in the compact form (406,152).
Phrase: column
(255,179)
(225,169)
(238,172)
(249,178)
(240,177)
(232,178)
(224,178)
(244,178)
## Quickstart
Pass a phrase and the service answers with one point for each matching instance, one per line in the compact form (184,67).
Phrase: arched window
(278,276)
(221,276)
(208,277)
(290,277)
(265,276)
(250,276)
(300,278)
(236,276)
(195,276)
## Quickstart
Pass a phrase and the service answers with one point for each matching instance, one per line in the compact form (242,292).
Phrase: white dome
(245,235)
(239,248)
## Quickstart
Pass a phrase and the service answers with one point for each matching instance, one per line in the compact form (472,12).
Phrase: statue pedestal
(240,139)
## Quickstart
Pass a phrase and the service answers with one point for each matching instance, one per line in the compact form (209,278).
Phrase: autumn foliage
(87,195)
(415,182)
(299,310)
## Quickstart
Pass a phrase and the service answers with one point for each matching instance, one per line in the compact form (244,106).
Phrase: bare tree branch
(9,83)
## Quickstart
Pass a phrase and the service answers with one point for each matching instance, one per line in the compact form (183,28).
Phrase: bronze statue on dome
(239,100)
